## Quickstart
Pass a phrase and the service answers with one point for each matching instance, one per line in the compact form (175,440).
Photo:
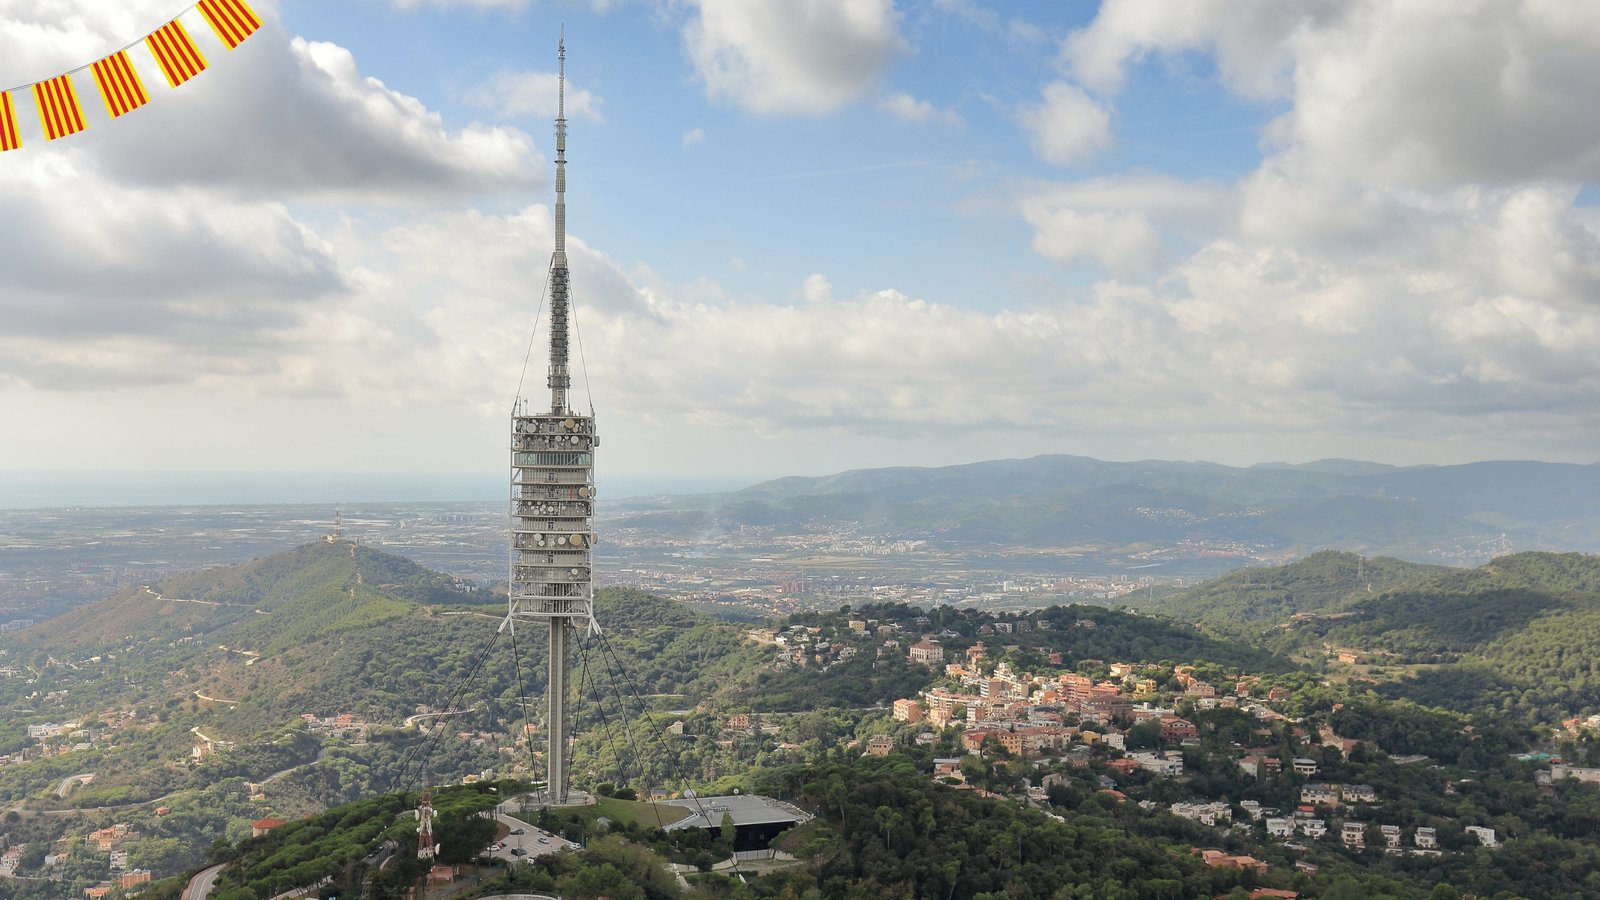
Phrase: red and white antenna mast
(426,848)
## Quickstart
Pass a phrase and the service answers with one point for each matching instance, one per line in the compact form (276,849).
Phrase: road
(216,699)
(322,752)
(412,720)
(67,783)
(200,885)
(157,595)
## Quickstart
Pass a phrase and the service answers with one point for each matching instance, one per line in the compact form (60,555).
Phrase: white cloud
(694,137)
(1423,94)
(1125,243)
(907,108)
(111,285)
(279,117)
(520,93)
(817,289)
(1068,127)
(776,57)
(1114,220)
(296,117)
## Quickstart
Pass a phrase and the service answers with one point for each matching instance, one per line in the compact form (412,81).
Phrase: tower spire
(560,380)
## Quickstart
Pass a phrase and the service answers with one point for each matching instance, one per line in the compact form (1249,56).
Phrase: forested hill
(1520,635)
(1249,600)
(1051,501)
(283,597)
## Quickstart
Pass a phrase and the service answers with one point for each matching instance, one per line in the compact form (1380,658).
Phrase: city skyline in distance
(813,244)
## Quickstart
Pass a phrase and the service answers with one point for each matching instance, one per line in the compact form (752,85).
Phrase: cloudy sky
(811,236)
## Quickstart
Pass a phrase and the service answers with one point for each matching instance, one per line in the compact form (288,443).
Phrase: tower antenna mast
(552,492)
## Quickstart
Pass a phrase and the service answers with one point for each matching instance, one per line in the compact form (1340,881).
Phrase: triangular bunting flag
(232,20)
(10,138)
(119,84)
(59,111)
(172,47)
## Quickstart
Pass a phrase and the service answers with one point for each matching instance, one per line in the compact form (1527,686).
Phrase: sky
(807,236)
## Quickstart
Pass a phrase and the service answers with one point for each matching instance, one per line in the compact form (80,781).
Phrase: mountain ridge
(1419,513)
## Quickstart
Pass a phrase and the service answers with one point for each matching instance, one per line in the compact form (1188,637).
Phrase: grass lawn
(638,812)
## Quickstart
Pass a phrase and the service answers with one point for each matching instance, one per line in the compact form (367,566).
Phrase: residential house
(1204,813)
(1304,766)
(262,826)
(1319,795)
(880,745)
(1282,829)
(1175,730)
(927,652)
(1311,827)
(1164,765)
(1391,838)
(908,711)
(1425,838)
(1354,835)
(1219,859)
(1485,836)
(1359,793)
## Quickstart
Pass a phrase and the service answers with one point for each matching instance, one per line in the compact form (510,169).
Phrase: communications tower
(552,492)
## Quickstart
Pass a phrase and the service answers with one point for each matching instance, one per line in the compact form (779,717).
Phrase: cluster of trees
(341,844)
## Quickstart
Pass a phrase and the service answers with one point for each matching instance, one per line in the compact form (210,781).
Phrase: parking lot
(521,836)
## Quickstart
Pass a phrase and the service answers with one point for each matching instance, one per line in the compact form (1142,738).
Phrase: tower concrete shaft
(552,495)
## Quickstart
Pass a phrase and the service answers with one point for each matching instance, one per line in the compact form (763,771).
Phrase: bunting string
(175,53)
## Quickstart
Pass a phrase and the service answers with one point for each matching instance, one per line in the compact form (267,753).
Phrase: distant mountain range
(1456,513)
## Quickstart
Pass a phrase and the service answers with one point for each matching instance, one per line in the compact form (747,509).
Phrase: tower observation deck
(552,493)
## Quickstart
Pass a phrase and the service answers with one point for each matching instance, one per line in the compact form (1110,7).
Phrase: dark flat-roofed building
(757,820)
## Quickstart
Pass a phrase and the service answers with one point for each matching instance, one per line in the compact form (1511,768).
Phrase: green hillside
(1251,600)
(1520,635)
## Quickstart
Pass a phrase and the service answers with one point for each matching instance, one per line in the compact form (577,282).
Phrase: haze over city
(807,238)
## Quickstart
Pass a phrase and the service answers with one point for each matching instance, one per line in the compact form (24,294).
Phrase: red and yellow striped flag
(10,138)
(172,47)
(232,20)
(119,84)
(59,111)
